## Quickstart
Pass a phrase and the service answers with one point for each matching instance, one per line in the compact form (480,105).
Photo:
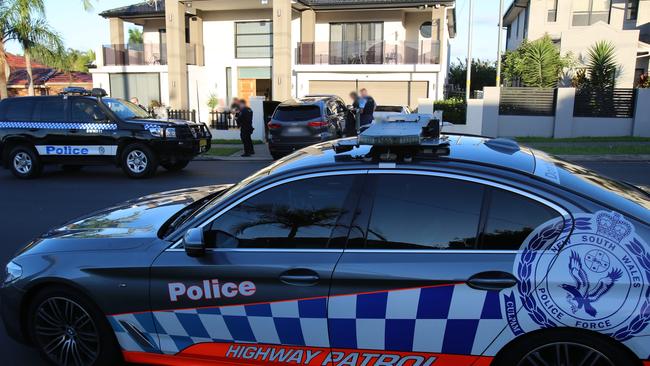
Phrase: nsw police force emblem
(591,274)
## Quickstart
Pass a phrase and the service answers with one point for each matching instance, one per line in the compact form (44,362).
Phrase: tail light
(317,124)
(274,126)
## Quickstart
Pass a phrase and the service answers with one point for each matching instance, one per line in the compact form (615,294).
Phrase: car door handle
(492,280)
(300,277)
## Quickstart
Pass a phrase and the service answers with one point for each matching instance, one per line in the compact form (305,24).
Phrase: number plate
(203,145)
(295,130)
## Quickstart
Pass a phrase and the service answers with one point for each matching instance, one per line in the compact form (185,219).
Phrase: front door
(259,294)
(421,276)
(247,88)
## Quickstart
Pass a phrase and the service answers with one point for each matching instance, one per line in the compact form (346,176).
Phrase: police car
(81,127)
(400,247)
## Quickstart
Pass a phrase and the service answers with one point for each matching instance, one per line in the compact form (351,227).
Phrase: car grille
(191,132)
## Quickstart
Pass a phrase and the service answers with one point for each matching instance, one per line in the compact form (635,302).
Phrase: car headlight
(170,132)
(13,272)
(156,131)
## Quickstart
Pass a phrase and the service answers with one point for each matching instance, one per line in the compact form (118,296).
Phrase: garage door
(384,92)
(144,86)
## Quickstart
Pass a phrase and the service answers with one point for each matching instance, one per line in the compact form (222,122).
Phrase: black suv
(298,123)
(80,128)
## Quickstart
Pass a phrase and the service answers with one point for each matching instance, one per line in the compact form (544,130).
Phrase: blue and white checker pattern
(61,125)
(445,319)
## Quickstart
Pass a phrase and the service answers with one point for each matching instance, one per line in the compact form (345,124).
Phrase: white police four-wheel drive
(404,247)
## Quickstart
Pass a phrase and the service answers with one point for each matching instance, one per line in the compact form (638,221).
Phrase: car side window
(299,214)
(511,218)
(82,110)
(49,110)
(424,212)
(19,110)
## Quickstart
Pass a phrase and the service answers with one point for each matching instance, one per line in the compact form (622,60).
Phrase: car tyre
(24,162)
(564,346)
(139,161)
(62,323)
(176,166)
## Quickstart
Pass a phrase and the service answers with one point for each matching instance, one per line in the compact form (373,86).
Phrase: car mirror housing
(194,242)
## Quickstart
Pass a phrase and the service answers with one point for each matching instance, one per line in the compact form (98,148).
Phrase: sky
(87,30)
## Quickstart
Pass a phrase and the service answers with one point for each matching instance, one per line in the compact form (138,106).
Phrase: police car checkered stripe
(430,319)
(61,125)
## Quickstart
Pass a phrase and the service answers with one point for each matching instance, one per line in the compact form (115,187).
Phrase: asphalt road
(29,208)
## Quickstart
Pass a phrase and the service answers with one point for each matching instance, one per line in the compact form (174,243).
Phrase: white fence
(483,118)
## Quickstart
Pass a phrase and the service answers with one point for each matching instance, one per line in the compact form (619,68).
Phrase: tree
(66,60)
(601,66)
(484,74)
(135,36)
(30,29)
(536,64)
(5,35)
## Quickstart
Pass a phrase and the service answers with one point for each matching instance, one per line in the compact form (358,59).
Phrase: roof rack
(76,90)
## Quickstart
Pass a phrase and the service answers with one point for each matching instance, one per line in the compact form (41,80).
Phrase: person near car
(245,123)
(136,101)
(352,125)
(367,105)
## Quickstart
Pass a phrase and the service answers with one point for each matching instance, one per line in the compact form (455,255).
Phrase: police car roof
(465,148)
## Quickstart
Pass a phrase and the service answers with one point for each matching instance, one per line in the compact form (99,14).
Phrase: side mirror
(194,243)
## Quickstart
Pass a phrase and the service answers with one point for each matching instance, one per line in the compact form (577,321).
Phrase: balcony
(142,54)
(368,53)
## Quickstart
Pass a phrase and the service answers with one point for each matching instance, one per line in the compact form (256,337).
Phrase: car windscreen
(124,109)
(388,108)
(297,113)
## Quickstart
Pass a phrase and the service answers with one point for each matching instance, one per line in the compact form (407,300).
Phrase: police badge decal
(593,275)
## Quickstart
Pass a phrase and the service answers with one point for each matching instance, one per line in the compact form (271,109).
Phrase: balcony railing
(368,52)
(142,54)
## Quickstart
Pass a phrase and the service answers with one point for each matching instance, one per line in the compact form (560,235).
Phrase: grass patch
(585,139)
(596,150)
(234,142)
(222,151)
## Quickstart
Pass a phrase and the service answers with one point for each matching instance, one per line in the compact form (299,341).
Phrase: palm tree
(537,63)
(5,35)
(33,33)
(135,36)
(602,65)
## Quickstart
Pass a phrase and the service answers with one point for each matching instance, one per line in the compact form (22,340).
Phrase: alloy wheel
(23,163)
(66,333)
(137,161)
(565,354)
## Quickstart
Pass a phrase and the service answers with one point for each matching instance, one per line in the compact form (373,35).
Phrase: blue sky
(87,30)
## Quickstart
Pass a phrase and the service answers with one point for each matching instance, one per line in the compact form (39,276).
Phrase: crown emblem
(613,226)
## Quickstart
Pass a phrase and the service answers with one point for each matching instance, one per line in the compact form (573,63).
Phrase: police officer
(367,105)
(245,123)
(352,121)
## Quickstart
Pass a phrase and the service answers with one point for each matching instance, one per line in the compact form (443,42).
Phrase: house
(279,49)
(576,25)
(47,80)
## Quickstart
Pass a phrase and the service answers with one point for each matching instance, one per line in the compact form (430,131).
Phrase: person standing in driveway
(367,105)
(245,123)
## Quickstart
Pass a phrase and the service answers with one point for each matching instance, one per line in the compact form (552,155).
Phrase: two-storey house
(576,25)
(194,49)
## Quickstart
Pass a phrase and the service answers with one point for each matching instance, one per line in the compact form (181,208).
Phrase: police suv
(81,127)
(401,247)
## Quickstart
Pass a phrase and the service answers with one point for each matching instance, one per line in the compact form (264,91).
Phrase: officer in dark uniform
(245,123)
(367,105)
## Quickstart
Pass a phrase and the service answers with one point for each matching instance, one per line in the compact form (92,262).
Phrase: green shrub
(453,110)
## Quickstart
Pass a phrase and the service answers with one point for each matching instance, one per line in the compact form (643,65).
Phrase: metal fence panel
(222,120)
(527,101)
(616,103)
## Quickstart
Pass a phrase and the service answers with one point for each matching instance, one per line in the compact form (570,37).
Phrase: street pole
(500,40)
(468,82)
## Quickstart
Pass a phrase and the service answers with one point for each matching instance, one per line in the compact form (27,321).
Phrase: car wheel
(24,162)
(71,331)
(564,347)
(139,161)
(71,168)
(174,167)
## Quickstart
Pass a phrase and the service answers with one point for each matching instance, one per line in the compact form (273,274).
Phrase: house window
(552,11)
(425,30)
(588,12)
(254,39)
(632,9)
(356,43)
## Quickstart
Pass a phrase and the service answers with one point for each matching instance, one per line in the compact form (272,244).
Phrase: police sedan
(400,247)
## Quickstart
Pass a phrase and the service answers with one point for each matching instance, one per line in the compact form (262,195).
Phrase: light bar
(401,130)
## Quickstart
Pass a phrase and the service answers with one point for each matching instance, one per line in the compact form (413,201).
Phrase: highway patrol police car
(402,247)
(81,127)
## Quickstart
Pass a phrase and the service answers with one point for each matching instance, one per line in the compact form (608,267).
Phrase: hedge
(453,110)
